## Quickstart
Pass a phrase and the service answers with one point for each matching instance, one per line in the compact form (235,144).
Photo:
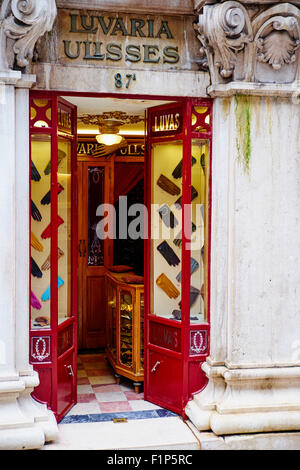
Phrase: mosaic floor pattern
(100,398)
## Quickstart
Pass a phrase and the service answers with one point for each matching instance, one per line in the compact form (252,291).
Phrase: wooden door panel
(65,382)
(91,280)
(95,312)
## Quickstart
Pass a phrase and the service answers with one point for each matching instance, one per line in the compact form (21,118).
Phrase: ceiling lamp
(109,132)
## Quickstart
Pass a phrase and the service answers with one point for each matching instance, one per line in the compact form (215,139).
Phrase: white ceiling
(87,105)
(94,106)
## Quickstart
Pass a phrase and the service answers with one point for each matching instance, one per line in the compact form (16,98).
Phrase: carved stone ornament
(100,119)
(244,44)
(24,22)
(224,31)
(277,41)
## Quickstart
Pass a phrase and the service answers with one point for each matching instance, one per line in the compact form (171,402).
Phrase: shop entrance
(126,228)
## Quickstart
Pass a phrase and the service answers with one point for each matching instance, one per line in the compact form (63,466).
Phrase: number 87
(119,82)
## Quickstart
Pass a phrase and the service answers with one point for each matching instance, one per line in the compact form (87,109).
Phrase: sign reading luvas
(104,28)
(165,336)
(168,121)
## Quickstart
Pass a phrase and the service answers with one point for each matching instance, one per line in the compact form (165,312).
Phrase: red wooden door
(177,252)
(53,316)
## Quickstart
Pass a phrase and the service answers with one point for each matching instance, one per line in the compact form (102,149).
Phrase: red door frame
(188,363)
(47,391)
(188,133)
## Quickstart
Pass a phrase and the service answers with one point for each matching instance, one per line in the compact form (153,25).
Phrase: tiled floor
(98,393)
(91,424)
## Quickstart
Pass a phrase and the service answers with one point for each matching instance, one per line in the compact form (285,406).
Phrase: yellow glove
(167,286)
(35,243)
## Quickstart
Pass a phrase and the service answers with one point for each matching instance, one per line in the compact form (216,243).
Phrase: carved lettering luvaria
(232,38)
(25,21)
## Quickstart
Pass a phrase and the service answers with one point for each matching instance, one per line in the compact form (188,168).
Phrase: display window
(53,284)
(177,300)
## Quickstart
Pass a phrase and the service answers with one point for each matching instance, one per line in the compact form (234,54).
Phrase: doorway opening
(106,318)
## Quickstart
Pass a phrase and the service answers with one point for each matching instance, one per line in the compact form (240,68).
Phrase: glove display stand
(125,327)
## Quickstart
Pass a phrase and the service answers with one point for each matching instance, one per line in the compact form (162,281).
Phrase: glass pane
(40,113)
(200,151)
(166,229)
(142,328)
(40,231)
(95,198)
(126,331)
(64,209)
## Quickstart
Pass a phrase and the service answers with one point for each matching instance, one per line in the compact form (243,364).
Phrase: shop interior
(110,272)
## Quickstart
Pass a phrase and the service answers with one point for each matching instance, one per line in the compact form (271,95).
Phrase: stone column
(24,423)
(254,364)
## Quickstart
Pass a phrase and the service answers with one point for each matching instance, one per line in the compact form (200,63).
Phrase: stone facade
(249,64)
(252,54)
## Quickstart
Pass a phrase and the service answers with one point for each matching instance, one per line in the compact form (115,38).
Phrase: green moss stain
(243,128)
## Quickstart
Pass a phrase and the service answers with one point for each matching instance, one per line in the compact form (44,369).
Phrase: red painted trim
(53,256)
(185,249)
(56,329)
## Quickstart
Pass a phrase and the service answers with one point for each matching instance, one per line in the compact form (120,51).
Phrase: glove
(194,266)
(167,216)
(35,270)
(35,243)
(169,255)
(178,240)
(194,193)
(42,321)
(47,232)
(46,265)
(35,213)
(47,198)
(177,173)
(202,291)
(167,185)
(34,301)
(167,286)
(194,292)
(35,176)
(46,294)
(202,162)
(177,314)
(60,157)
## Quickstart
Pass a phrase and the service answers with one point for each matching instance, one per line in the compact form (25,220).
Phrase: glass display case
(53,238)
(177,247)
(125,326)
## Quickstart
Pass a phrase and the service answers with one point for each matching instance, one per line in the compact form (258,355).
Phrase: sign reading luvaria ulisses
(114,40)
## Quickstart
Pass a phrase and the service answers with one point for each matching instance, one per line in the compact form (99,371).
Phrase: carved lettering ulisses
(110,29)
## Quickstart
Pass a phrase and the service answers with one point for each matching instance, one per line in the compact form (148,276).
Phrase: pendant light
(109,130)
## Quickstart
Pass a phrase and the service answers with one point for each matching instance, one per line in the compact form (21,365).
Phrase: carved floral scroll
(24,22)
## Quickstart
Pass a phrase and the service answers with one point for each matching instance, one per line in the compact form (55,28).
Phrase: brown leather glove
(46,264)
(167,185)
(177,173)
(167,286)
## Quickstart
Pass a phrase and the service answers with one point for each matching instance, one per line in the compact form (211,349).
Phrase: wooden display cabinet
(125,328)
